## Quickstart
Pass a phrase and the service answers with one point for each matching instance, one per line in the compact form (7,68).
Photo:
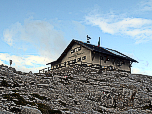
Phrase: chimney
(99,42)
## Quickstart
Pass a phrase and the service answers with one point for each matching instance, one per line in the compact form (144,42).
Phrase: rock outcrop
(76,92)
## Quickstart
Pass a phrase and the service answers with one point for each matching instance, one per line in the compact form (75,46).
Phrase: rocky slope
(80,92)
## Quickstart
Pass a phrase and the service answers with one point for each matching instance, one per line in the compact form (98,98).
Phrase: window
(56,66)
(68,62)
(72,51)
(59,65)
(79,48)
(76,49)
(79,59)
(113,62)
(74,61)
(84,57)
(118,63)
(64,63)
(101,58)
(108,59)
(123,62)
(104,61)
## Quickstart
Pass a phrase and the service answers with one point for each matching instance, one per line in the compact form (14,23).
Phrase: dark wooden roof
(93,48)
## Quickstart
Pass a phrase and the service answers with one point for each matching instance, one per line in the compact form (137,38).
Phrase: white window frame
(84,58)
(79,59)
(79,48)
(72,51)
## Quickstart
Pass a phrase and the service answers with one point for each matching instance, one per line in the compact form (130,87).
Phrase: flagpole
(88,38)
(99,42)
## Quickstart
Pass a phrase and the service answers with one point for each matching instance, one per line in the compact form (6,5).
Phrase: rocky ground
(77,92)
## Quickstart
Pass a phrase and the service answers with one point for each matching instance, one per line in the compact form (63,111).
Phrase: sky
(36,32)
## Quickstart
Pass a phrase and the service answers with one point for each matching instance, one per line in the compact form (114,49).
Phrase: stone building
(81,53)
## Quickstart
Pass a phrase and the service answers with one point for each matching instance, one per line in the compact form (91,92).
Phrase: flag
(88,37)
(99,42)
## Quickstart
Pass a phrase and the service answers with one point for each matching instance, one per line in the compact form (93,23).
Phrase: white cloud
(1,62)
(145,5)
(135,71)
(36,59)
(138,28)
(138,71)
(80,29)
(41,34)
(9,34)
(25,63)
(8,37)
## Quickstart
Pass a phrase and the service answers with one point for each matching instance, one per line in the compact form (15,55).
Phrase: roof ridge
(97,49)
(116,53)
